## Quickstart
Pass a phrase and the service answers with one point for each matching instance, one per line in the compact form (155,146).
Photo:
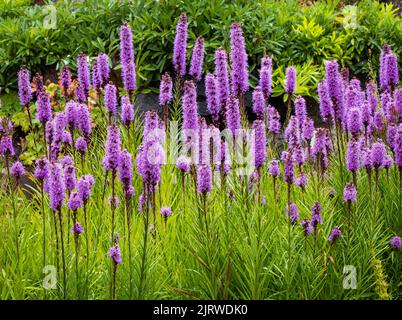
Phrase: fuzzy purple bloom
(290,80)
(212,93)
(44,113)
(396,242)
(75,201)
(166,212)
(84,120)
(316,214)
(17,170)
(96,79)
(349,192)
(300,109)
(238,59)
(378,153)
(392,131)
(371,93)
(127,111)
(103,68)
(260,141)
(265,81)
(41,168)
(274,124)
(354,121)
(326,109)
(392,70)
(127,58)
(165,90)
(274,169)
(58,126)
(189,103)
(113,148)
(384,81)
(289,174)
(335,88)
(72,115)
(83,72)
(114,253)
(335,234)
(387,163)
(352,156)
(233,122)
(183,164)
(65,77)
(221,74)
(197,59)
(302,181)
(292,212)
(126,170)
(24,86)
(80,94)
(378,119)
(111,98)
(148,162)
(69,177)
(308,129)
(81,145)
(57,187)
(258,103)
(84,185)
(6,146)
(398,148)
(77,229)
(180,45)
(67,139)
(307,227)
(292,133)
(204,179)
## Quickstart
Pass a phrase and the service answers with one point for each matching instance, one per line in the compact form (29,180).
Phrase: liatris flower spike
(77,229)
(180,44)
(396,242)
(166,212)
(197,59)
(293,212)
(349,193)
(335,235)
(17,170)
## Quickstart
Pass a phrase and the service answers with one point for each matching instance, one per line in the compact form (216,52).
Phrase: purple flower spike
(57,187)
(238,59)
(204,179)
(326,109)
(335,88)
(126,170)
(316,214)
(17,170)
(127,58)
(183,164)
(212,93)
(274,169)
(392,70)
(189,101)
(166,212)
(83,72)
(44,113)
(6,146)
(41,168)
(71,113)
(300,109)
(81,145)
(111,98)
(302,181)
(114,253)
(292,212)
(384,81)
(165,90)
(258,103)
(84,185)
(371,92)
(180,45)
(197,59)
(113,148)
(103,68)
(396,242)
(127,111)
(289,175)
(290,80)
(378,153)
(75,202)
(77,229)
(349,193)
(398,148)
(221,74)
(307,227)
(274,124)
(65,77)
(233,122)
(69,177)
(335,234)
(266,76)
(24,86)
(308,129)
(260,141)
(353,156)
(96,79)
(84,120)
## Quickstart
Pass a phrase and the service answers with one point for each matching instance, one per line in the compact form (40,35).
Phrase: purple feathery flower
(204,179)
(197,59)
(292,212)
(24,86)
(83,72)
(308,129)
(354,122)
(65,77)
(326,109)
(127,111)
(58,126)
(387,163)
(44,113)
(392,131)
(377,153)
(371,93)
(352,156)
(38,81)
(183,164)
(165,90)
(274,124)
(335,88)
(290,80)
(233,122)
(274,169)
(148,164)
(300,109)
(366,114)
(77,229)
(103,68)
(81,145)
(84,185)
(71,114)
(6,146)
(222,75)
(67,139)
(126,170)
(386,104)
(392,70)
(322,142)
(96,79)
(111,98)
(335,234)
(212,93)
(127,58)
(80,94)
(114,253)
(349,192)
(17,170)
(260,141)
(398,101)
(41,168)
(258,103)
(299,155)
(378,119)
(69,177)
(180,44)
(75,201)
(265,81)
(289,175)
(166,212)
(302,181)
(113,148)
(292,132)
(384,80)
(66,161)
(316,214)
(353,96)
(84,120)
(189,102)
(238,59)
(396,242)
(307,227)
(57,187)
(151,123)
(398,148)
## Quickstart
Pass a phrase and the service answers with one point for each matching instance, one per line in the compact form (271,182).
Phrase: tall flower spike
(349,192)
(83,72)
(290,80)
(260,141)
(44,113)
(84,185)
(371,93)
(326,109)
(265,80)
(84,121)
(233,122)
(354,121)
(69,177)
(111,98)
(212,93)
(24,86)
(384,67)
(204,179)
(378,153)
(335,88)
(258,103)
(17,170)
(274,169)
(189,101)
(274,124)
(41,168)
(113,148)
(392,70)
(221,74)
(353,156)
(127,58)
(71,115)
(180,45)
(103,68)
(238,59)
(96,79)
(57,187)
(65,78)
(300,109)
(197,59)
(165,90)
(127,111)
(126,170)
(292,212)
(289,176)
